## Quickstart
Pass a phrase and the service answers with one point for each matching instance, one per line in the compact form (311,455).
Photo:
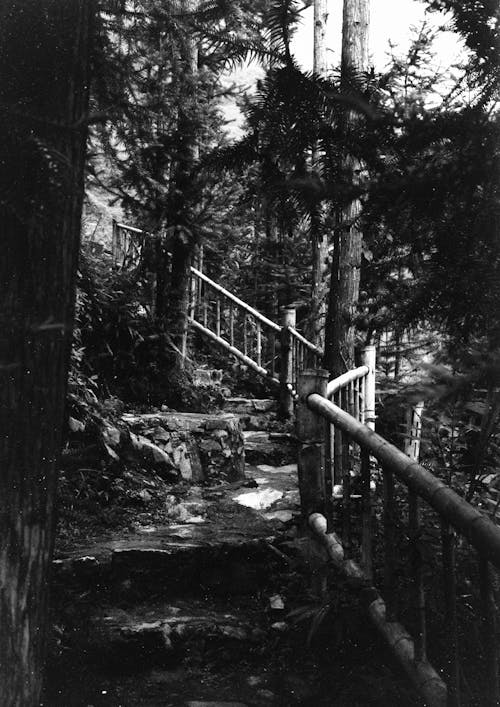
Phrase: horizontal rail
(132,229)
(421,672)
(346,378)
(303,340)
(234,351)
(483,535)
(237,300)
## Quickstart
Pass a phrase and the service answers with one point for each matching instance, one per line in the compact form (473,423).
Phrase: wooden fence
(316,414)
(276,352)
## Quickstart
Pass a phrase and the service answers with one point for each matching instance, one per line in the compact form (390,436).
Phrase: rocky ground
(186,587)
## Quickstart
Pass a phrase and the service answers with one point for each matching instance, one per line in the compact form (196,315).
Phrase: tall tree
(319,237)
(344,286)
(44,78)
(183,240)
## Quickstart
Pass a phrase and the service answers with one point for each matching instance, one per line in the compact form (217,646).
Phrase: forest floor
(204,596)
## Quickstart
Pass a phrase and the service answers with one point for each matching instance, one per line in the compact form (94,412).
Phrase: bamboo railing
(126,245)
(276,352)
(315,416)
(235,326)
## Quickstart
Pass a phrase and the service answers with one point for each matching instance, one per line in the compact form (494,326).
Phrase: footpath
(219,607)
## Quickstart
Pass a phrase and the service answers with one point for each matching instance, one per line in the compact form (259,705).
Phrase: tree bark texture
(344,287)
(44,74)
(319,237)
(183,241)
(320,20)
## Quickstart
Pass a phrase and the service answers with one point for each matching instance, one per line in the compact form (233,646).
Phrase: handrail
(341,381)
(236,300)
(303,340)
(476,527)
(456,516)
(264,346)
(234,351)
(132,229)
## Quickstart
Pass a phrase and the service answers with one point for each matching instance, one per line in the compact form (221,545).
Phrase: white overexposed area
(391,21)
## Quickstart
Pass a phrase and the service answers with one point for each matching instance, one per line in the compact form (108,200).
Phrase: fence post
(413,431)
(311,433)
(368,357)
(286,364)
(114,243)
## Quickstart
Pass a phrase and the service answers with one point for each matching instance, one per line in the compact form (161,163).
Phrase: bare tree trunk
(319,237)
(44,75)
(320,20)
(184,240)
(344,287)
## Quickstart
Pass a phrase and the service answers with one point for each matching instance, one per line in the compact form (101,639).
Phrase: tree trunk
(344,287)
(44,75)
(184,240)
(319,237)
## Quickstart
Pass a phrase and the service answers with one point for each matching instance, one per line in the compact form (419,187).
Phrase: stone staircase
(214,608)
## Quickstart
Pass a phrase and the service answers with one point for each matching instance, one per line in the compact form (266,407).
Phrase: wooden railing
(401,476)
(127,244)
(275,352)
(235,326)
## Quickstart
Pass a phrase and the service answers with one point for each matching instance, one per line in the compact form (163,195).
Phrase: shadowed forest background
(366,201)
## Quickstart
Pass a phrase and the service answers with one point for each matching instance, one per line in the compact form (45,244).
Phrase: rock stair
(196,613)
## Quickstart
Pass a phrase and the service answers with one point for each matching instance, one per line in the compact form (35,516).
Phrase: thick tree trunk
(344,287)
(44,74)
(184,240)
(319,237)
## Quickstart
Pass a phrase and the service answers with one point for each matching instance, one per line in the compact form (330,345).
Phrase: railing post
(115,243)
(452,663)
(286,364)
(368,358)
(311,433)
(489,631)
(413,430)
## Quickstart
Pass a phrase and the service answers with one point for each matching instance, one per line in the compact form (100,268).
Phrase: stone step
(218,542)
(166,633)
(171,561)
(250,406)
(253,414)
(275,449)
(200,653)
